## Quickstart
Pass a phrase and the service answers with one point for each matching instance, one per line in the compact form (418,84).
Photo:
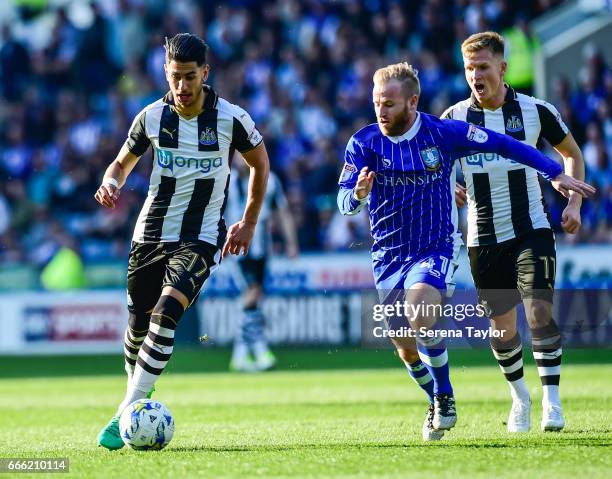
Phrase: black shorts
(183,265)
(517,269)
(253,270)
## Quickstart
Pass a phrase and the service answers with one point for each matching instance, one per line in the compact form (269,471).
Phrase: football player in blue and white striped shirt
(403,167)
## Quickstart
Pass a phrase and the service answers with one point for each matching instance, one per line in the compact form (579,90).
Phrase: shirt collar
(411,133)
(510,96)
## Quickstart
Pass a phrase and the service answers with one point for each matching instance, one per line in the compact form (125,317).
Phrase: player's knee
(409,356)
(138,321)
(538,313)
(167,312)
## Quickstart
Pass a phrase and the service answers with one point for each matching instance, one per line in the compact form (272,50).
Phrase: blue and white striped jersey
(412,203)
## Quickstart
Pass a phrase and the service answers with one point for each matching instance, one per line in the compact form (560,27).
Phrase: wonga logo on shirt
(167,160)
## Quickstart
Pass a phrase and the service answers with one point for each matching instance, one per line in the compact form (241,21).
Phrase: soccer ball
(146,424)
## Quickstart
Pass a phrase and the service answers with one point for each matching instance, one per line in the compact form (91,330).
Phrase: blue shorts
(436,269)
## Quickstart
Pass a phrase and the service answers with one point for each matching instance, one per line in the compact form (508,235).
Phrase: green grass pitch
(305,420)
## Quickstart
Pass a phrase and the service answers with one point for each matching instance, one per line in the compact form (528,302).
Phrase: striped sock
(418,371)
(132,340)
(547,353)
(435,358)
(156,349)
(509,355)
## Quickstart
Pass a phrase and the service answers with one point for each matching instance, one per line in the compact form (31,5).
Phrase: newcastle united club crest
(208,136)
(514,124)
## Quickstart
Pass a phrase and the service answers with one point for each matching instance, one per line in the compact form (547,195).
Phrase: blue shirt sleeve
(354,160)
(472,139)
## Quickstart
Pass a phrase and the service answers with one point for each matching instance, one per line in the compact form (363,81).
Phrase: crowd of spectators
(71,80)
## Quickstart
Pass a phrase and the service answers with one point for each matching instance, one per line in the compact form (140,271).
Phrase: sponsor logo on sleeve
(347,171)
(255,137)
(477,135)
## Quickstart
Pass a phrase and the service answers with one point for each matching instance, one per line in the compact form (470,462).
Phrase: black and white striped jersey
(273,200)
(504,197)
(191,168)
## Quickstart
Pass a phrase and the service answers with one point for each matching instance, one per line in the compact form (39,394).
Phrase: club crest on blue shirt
(431,158)
(208,137)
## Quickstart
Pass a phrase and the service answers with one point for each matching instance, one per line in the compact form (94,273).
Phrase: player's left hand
(570,219)
(239,238)
(564,184)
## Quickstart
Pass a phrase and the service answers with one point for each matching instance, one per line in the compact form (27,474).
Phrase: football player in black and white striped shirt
(180,235)
(510,242)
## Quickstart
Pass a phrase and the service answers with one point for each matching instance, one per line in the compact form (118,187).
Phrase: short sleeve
(245,136)
(137,141)
(553,129)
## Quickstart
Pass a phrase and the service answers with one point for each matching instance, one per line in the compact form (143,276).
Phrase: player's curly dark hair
(185,47)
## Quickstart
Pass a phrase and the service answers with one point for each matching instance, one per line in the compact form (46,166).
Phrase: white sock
(133,394)
(519,390)
(551,395)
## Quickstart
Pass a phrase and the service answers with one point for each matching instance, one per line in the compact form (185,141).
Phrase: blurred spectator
(521,46)
(303,68)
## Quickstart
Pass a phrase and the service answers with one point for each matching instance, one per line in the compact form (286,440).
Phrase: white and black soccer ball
(146,424)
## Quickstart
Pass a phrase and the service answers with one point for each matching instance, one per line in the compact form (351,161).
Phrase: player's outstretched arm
(115,176)
(240,234)
(470,138)
(563,183)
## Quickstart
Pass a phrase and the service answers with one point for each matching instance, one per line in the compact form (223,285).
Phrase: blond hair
(403,72)
(491,41)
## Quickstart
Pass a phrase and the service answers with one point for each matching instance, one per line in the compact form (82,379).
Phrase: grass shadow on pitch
(556,441)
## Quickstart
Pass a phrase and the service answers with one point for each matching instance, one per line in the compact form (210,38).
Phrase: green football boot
(110,437)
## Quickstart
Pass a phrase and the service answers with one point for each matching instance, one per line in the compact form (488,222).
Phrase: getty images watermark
(407,312)
(584,317)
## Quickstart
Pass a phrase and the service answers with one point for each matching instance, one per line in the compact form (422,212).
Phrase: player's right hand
(564,184)
(238,240)
(365,182)
(460,195)
(107,195)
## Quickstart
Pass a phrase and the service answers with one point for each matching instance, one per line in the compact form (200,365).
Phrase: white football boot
(552,417)
(519,419)
(429,433)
